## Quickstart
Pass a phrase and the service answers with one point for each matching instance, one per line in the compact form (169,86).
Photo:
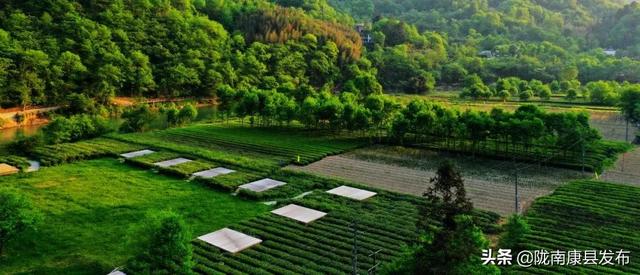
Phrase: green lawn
(89,208)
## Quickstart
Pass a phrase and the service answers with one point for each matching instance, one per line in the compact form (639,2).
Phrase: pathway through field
(492,196)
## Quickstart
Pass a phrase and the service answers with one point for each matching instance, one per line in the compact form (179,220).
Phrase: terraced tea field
(284,145)
(385,222)
(586,215)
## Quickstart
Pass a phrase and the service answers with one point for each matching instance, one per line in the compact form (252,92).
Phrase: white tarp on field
(172,162)
(299,213)
(137,154)
(212,173)
(352,193)
(262,185)
(230,240)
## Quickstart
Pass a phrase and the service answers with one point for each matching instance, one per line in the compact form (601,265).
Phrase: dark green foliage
(585,215)
(630,102)
(16,215)
(448,197)
(165,249)
(44,62)
(187,114)
(514,231)
(24,145)
(75,128)
(455,250)
(137,119)
(527,134)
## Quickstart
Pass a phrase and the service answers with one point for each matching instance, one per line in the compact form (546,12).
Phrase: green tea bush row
(218,156)
(585,215)
(68,152)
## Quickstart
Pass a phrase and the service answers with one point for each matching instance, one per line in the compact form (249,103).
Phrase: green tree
(572,94)
(602,92)
(514,232)
(165,246)
(504,95)
(544,94)
(187,114)
(455,247)
(16,216)
(80,104)
(455,250)
(630,103)
(137,118)
(447,196)
(140,77)
(525,95)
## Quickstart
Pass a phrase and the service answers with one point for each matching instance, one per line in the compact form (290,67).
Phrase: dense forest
(51,51)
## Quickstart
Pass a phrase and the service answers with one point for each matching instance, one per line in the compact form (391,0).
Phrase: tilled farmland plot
(612,126)
(494,190)
(626,170)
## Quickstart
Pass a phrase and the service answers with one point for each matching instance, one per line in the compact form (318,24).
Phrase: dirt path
(492,196)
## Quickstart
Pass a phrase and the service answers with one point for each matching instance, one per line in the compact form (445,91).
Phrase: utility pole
(354,252)
(517,203)
(583,153)
(626,139)
(626,135)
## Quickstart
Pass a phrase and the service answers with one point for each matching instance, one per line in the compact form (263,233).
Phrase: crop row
(307,153)
(586,216)
(219,156)
(68,152)
(279,143)
(227,182)
(324,246)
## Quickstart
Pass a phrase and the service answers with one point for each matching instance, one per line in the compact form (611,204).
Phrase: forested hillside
(53,50)
(530,39)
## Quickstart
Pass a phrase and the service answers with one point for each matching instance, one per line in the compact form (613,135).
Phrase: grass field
(586,215)
(90,206)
